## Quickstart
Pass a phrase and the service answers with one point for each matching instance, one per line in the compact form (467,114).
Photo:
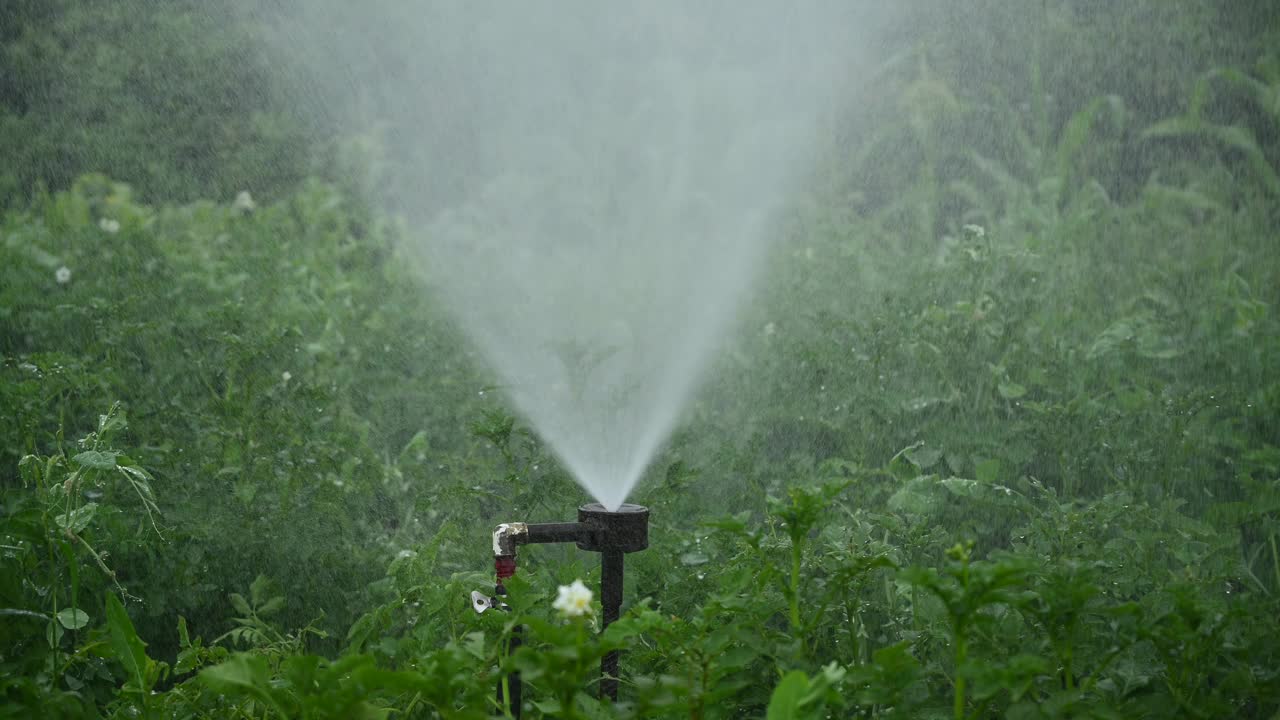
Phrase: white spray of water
(598,181)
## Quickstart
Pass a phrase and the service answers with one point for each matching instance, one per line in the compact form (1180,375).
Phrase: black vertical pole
(611,565)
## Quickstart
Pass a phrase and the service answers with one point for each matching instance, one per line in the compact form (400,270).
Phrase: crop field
(988,426)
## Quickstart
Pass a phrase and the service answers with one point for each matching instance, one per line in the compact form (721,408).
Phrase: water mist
(592,186)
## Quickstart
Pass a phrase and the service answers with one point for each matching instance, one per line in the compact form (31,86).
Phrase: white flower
(574,600)
(62,275)
(770,328)
(975,231)
(244,203)
(286,376)
(109,226)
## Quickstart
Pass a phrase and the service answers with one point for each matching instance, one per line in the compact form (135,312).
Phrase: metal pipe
(611,572)
(555,533)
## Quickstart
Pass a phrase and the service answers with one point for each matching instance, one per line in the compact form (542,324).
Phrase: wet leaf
(784,704)
(923,456)
(77,520)
(96,460)
(694,558)
(73,618)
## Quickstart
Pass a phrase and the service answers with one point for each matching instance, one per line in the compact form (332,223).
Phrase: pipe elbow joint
(507,536)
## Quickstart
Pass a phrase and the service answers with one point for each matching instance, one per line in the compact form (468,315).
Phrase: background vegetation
(1000,438)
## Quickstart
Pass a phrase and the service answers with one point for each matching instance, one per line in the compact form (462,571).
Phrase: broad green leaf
(77,520)
(258,590)
(125,643)
(29,470)
(964,487)
(96,459)
(245,674)
(188,659)
(987,471)
(242,672)
(474,645)
(240,604)
(785,702)
(550,707)
(916,497)
(270,606)
(73,618)
(923,456)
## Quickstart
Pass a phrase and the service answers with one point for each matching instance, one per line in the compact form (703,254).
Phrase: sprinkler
(612,534)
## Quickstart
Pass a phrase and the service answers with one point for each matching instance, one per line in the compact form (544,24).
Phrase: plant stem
(796,550)
(1275,560)
(1068,666)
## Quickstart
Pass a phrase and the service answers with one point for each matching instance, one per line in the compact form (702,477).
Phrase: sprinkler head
(624,530)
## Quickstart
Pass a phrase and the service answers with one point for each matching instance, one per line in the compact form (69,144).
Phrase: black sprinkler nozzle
(625,529)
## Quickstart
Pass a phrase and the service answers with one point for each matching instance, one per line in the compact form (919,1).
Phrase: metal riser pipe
(610,533)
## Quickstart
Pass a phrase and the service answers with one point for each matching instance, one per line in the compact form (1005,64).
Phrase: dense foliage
(1001,437)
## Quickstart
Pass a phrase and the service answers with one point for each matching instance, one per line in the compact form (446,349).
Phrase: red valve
(505,566)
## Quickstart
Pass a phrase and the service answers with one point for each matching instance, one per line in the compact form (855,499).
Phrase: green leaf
(963,487)
(125,643)
(188,659)
(694,558)
(73,618)
(258,590)
(244,674)
(270,606)
(240,604)
(1174,127)
(785,702)
(987,471)
(1242,139)
(77,520)
(1011,390)
(916,496)
(923,456)
(548,707)
(1078,132)
(96,459)
(29,470)
(474,644)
